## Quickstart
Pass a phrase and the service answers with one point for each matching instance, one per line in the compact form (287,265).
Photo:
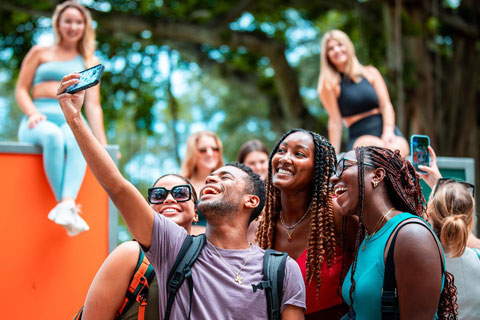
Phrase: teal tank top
(56,70)
(370,272)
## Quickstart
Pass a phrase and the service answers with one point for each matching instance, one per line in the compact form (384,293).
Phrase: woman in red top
(300,219)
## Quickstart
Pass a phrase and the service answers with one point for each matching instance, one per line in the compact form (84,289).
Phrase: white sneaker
(66,215)
(78,225)
(61,214)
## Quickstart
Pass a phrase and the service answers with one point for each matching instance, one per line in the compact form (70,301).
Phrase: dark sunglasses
(442,181)
(180,193)
(341,166)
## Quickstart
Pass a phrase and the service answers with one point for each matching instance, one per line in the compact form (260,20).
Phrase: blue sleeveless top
(356,98)
(370,272)
(56,70)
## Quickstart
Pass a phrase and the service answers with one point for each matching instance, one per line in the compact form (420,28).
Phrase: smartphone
(89,78)
(419,151)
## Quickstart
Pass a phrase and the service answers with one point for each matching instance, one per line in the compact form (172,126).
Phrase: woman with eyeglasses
(204,154)
(382,190)
(174,197)
(450,212)
(432,177)
(299,218)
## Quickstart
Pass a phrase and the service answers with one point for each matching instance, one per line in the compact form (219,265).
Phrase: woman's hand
(71,103)
(432,172)
(35,118)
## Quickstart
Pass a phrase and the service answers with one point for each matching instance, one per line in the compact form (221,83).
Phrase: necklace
(368,236)
(238,279)
(293,226)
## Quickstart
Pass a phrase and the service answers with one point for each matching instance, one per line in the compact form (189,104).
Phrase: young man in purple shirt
(227,266)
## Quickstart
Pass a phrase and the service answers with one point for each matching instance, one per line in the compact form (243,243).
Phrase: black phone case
(91,84)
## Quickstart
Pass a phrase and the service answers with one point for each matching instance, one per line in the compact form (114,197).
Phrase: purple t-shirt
(216,295)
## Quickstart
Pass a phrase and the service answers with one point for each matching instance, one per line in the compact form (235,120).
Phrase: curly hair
(321,241)
(403,187)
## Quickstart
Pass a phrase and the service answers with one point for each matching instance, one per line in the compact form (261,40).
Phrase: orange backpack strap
(79,314)
(138,288)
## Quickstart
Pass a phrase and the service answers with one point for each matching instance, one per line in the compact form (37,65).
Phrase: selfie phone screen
(88,78)
(419,151)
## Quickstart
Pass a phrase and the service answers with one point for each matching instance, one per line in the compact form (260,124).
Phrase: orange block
(45,273)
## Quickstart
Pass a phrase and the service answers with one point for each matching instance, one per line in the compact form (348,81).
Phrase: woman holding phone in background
(356,95)
(44,123)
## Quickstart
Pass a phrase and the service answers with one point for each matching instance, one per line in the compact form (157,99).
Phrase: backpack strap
(138,287)
(390,308)
(181,270)
(273,274)
(79,314)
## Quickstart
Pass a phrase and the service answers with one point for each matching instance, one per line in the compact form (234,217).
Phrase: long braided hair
(321,241)
(403,187)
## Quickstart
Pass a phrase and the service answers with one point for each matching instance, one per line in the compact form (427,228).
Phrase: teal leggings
(62,159)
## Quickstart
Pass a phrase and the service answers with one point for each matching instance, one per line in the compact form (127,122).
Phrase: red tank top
(327,295)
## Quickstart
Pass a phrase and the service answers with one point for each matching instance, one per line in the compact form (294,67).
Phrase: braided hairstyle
(321,241)
(403,187)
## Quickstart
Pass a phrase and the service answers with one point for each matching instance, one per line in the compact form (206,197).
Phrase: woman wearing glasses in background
(432,177)
(204,154)
(172,196)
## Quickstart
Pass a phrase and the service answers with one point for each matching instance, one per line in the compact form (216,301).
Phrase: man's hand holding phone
(71,103)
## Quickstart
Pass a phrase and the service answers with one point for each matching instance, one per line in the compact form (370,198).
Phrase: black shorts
(371,125)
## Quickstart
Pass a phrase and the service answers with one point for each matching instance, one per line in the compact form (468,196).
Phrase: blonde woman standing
(450,211)
(44,123)
(357,96)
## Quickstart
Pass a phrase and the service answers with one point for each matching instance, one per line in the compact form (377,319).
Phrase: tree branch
(233,14)
(285,76)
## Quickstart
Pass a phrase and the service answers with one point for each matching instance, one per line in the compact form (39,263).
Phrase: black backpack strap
(188,254)
(273,274)
(390,308)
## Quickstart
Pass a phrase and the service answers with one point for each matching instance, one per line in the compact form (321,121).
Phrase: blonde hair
(451,212)
(189,163)
(329,75)
(86,45)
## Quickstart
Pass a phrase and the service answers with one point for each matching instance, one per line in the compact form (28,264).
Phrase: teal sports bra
(56,70)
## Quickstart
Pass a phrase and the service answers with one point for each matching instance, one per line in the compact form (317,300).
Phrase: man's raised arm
(135,210)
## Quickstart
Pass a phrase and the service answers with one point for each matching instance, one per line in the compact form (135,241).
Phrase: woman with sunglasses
(382,190)
(450,212)
(433,177)
(299,217)
(172,196)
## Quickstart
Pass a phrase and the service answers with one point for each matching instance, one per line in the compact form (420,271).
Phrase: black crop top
(356,98)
